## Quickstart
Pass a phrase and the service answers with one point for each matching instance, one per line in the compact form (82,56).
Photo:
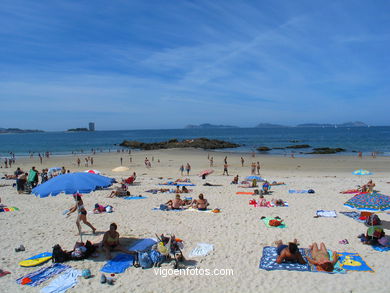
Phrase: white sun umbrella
(120,169)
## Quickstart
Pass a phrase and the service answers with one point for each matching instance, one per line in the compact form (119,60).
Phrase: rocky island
(202,143)
(17,130)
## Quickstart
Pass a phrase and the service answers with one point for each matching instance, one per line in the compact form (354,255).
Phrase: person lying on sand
(288,252)
(321,257)
(262,201)
(175,204)
(111,243)
(183,189)
(277,183)
(119,192)
(201,203)
(278,202)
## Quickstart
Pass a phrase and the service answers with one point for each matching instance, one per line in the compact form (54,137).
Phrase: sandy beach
(237,233)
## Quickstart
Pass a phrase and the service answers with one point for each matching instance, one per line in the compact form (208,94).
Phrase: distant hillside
(208,125)
(269,125)
(17,130)
(78,129)
(346,124)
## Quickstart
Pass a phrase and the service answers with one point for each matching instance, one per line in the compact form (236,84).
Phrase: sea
(357,139)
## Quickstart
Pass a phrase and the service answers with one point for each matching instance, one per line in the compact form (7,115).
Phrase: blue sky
(166,64)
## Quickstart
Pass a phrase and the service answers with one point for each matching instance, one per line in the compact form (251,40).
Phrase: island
(208,125)
(327,125)
(18,130)
(77,129)
(202,143)
(269,125)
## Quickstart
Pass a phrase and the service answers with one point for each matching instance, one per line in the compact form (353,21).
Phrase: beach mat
(298,191)
(268,261)
(244,192)
(381,248)
(352,261)
(121,262)
(266,222)
(63,282)
(134,197)
(337,267)
(326,214)
(169,210)
(8,209)
(201,249)
(353,215)
(38,277)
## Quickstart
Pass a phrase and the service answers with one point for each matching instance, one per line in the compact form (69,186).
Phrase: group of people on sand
(368,187)
(177,203)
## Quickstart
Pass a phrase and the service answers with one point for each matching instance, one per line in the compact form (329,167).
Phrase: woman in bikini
(321,257)
(175,204)
(111,242)
(81,213)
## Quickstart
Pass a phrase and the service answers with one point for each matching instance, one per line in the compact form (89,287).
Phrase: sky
(164,64)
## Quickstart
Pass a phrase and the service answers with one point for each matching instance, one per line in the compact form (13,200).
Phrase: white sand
(237,233)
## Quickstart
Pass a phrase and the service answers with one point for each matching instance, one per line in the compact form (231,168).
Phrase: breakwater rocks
(324,151)
(202,143)
(316,151)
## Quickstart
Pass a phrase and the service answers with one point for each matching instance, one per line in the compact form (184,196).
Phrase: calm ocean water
(366,140)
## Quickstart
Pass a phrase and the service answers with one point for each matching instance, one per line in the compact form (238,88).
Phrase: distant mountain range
(208,125)
(17,130)
(270,125)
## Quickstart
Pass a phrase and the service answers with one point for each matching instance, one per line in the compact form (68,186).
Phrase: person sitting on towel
(321,257)
(266,187)
(201,203)
(111,242)
(254,183)
(288,252)
(175,204)
(119,192)
(235,180)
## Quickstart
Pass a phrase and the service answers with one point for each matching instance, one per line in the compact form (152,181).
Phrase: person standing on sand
(211,162)
(121,161)
(253,168)
(181,169)
(242,162)
(225,160)
(81,213)
(86,162)
(91,161)
(78,162)
(360,155)
(188,169)
(258,168)
(225,169)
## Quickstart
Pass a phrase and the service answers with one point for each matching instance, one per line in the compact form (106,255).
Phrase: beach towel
(268,261)
(381,248)
(352,261)
(266,222)
(326,214)
(38,277)
(244,192)
(201,249)
(119,264)
(143,244)
(353,215)
(62,283)
(298,191)
(198,211)
(134,197)
(272,205)
(168,210)
(351,191)
(337,267)
(122,261)
(3,273)
(8,209)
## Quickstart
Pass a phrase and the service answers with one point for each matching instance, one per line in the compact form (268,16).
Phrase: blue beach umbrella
(258,178)
(71,183)
(369,202)
(362,172)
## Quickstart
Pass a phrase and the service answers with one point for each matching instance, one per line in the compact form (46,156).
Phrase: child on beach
(81,213)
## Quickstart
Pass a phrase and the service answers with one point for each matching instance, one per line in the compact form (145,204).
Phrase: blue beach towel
(118,264)
(353,215)
(134,197)
(168,210)
(268,261)
(62,283)
(298,191)
(43,274)
(121,262)
(380,248)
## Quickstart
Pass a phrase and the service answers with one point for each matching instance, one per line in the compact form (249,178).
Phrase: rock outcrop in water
(324,151)
(202,143)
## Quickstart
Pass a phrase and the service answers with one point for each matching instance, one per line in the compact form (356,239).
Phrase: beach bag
(144,260)
(162,249)
(156,257)
(59,255)
(275,223)
(310,191)
(373,220)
